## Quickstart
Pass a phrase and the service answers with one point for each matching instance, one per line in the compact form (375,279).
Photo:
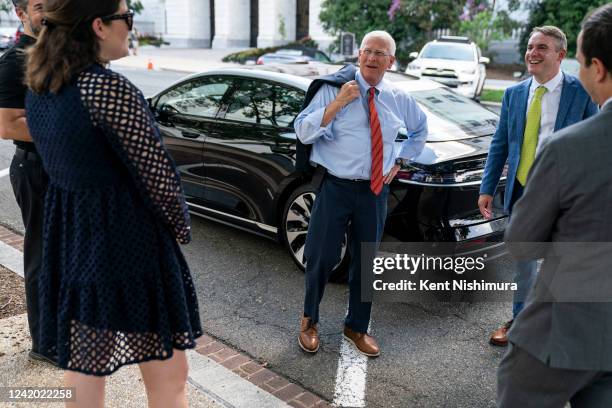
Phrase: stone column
(314,26)
(232,24)
(188,23)
(276,22)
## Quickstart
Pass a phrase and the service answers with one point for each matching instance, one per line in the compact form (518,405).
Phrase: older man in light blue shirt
(343,146)
(354,136)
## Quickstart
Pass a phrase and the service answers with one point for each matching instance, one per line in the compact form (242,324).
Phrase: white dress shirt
(609,101)
(550,105)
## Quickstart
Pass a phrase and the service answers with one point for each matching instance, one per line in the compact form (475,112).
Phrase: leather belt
(24,154)
(331,176)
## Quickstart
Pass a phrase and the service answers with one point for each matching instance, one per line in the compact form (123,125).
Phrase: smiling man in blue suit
(531,111)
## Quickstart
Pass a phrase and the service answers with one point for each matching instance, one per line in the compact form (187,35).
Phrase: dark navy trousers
(342,206)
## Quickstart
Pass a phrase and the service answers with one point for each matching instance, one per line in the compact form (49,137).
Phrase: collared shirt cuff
(312,129)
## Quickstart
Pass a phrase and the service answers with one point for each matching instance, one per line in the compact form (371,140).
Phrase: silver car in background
(7,37)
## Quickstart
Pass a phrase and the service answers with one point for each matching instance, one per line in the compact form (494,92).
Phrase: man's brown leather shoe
(500,336)
(363,342)
(309,335)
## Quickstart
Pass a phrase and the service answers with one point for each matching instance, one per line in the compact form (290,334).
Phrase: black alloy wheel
(294,228)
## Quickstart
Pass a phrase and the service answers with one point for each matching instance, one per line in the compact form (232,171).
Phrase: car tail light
(259,61)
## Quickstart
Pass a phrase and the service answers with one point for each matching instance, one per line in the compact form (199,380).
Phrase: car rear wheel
(294,228)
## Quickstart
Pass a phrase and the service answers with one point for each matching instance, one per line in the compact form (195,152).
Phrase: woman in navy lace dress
(115,288)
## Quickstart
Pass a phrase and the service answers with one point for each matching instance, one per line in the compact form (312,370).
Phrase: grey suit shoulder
(568,198)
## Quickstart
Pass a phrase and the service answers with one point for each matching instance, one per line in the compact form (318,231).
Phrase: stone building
(232,23)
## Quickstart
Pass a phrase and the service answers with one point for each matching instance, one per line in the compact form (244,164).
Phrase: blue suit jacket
(575,105)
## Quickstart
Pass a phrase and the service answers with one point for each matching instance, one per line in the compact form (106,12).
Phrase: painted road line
(351,376)
(11,258)
(4,172)
(225,387)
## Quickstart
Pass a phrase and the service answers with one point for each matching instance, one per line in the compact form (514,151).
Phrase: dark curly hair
(67,44)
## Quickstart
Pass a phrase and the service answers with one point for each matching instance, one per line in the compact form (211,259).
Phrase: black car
(231,135)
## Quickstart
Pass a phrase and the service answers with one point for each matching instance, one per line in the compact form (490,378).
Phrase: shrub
(253,53)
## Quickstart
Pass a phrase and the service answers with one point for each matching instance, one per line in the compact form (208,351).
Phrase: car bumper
(429,213)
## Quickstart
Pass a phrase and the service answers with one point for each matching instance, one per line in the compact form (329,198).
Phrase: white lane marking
(4,172)
(351,376)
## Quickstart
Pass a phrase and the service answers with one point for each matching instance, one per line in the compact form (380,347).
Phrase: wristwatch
(400,162)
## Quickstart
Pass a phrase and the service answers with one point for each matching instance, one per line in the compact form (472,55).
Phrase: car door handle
(190,135)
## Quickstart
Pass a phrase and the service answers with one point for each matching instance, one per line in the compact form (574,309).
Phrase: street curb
(11,250)
(226,388)
(257,374)
(230,377)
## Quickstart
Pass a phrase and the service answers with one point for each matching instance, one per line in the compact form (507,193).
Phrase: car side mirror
(163,114)
(151,107)
(413,55)
(484,60)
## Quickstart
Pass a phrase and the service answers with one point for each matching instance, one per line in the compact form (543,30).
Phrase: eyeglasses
(377,53)
(127,17)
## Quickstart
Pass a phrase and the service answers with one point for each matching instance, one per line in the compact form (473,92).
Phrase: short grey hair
(383,35)
(554,32)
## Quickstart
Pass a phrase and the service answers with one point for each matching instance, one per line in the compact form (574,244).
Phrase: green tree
(135,5)
(483,28)
(6,5)
(411,26)
(565,14)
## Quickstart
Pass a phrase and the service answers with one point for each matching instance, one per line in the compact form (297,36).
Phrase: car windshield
(453,117)
(459,52)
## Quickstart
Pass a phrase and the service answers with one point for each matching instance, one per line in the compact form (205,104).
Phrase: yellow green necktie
(530,138)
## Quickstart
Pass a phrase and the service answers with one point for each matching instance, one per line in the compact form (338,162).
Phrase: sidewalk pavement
(187,60)
(219,375)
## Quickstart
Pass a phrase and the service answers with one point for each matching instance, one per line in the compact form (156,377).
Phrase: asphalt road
(250,292)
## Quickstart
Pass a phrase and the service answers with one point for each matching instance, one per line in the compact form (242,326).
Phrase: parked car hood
(439,152)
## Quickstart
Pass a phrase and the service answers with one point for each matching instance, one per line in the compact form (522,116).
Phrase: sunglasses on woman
(127,17)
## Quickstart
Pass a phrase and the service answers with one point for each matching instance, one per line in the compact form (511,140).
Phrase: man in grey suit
(562,350)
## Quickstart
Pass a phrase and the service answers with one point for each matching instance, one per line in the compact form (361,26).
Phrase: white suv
(453,61)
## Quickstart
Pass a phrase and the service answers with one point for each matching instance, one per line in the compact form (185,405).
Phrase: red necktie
(376,179)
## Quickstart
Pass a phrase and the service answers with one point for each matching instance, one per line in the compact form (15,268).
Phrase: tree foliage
(413,22)
(483,27)
(6,5)
(565,14)
(136,5)
(411,26)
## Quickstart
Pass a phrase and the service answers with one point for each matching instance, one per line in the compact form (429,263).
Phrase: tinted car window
(265,103)
(460,52)
(199,97)
(319,56)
